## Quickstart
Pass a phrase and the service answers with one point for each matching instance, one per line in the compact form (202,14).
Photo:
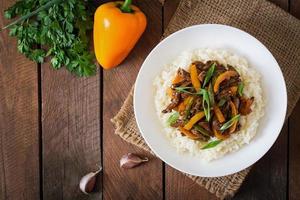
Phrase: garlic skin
(131,160)
(88,181)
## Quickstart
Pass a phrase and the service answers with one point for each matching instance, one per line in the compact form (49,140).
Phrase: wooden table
(55,127)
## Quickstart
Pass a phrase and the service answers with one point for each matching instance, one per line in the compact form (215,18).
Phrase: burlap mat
(278,30)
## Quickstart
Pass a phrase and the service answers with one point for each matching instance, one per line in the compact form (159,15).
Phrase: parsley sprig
(59,29)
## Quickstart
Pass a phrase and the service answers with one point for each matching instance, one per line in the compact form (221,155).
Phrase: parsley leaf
(59,29)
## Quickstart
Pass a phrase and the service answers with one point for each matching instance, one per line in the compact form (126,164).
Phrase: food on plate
(209,102)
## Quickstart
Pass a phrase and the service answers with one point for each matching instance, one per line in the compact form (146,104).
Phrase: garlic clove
(131,160)
(88,181)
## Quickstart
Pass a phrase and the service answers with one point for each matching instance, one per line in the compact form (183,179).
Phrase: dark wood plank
(71,132)
(19,134)
(295,8)
(144,182)
(169,9)
(178,186)
(294,136)
(294,129)
(294,149)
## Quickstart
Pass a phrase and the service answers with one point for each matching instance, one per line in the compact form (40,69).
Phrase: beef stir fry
(207,101)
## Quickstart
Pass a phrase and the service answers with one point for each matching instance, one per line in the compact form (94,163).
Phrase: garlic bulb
(88,181)
(131,160)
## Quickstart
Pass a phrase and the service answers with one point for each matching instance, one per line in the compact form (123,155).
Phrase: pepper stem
(126,6)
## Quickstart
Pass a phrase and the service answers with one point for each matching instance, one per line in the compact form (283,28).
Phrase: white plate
(212,36)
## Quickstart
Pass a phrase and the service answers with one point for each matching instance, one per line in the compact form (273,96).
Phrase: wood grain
(169,9)
(144,182)
(295,8)
(19,134)
(294,137)
(71,132)
(294,149)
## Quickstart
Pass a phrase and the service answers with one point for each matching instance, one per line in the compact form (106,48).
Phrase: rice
(249,123)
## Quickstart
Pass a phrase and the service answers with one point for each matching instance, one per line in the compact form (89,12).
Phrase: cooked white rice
(249,123)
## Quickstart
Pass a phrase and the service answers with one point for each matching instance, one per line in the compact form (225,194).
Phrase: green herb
(205,103)
(241,88)
(230,122)
(211,94)
(201,130)
(57,29)
(221,102)
(184,90)
(209,74)
(212,144)
(173,118)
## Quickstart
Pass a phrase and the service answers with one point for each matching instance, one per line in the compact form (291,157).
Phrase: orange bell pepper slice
(222,77)
(194,77)
(194,120)
(219,114)
(183,104)
(189,134)
(177,79)
(219,135)
(234,112)
(170,92)
(233,89)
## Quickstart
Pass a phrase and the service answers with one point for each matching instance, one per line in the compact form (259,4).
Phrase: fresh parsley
(59,29)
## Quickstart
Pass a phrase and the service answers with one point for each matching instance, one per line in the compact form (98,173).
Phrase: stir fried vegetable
(222,77)
(209,74)
(188,133)
(209,101)
(194,120)
(212,144)
(194,78)
(219,114)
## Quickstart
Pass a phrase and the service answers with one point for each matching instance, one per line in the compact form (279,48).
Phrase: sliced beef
(197,106)
(245,105)
(201,136)
(174,102)
(179,122)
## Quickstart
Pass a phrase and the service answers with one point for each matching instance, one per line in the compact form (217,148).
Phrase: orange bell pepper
(189,134)
(219,114)
(222,77)
(233,89)
(194,77)
(219,135)
(177,79)
(183,104)
(234,112)
(117,27)
(170,92)
(194,120)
